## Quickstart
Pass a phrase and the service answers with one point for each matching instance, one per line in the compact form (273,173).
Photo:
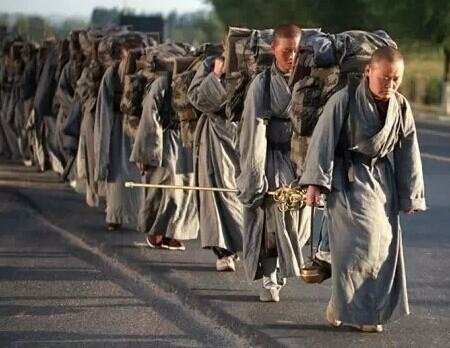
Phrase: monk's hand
(141,167)
(313,195)
(409,211)
(219,67)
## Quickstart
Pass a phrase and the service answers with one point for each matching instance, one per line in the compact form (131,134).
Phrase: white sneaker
(269,295)
(369,328)
(28,163)
(226,264)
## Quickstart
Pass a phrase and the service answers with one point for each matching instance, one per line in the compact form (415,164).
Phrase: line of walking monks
(62,108)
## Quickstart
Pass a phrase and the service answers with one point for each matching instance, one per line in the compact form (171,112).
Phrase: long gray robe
(112,149)
(266,167)
(64,98)
(7,112)
(28,90)
(85,154)
(369,284)
(170,213)
(216,163)
(45,115)
(4,150)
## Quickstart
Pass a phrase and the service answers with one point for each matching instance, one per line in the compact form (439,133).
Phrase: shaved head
(388,54)
(286,31)
(385,72)
(286,38)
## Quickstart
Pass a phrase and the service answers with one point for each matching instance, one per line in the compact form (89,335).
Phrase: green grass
(424,68)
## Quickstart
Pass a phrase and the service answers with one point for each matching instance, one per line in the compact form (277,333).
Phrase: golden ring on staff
(286,198)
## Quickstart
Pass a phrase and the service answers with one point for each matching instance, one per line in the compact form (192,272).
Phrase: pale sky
(84,7)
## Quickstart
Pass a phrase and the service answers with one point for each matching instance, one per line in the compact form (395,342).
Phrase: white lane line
(434,132)
(436,157)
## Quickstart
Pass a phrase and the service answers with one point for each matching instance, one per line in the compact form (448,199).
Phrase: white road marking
(434,132)
(436,157)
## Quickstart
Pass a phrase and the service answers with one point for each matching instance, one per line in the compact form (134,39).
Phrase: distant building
(102,17)
(144,23)
(3,32)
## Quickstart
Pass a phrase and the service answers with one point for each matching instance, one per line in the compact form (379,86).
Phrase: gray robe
(266,166)
(85,154)
(369,284)
(112,149)
(171,213)
(7,113)
(64,99)
(216,163)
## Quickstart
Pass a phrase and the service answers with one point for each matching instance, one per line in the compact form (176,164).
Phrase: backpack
(323,65)
(142,69)
(184,71)
(248,52)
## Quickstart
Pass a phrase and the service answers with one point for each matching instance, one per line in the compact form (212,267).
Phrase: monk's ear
(367,69)
(273,45)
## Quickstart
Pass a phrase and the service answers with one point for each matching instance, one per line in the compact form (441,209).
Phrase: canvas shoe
(226,264)
(329,314)
(153,243)
(269,295)
(172,244)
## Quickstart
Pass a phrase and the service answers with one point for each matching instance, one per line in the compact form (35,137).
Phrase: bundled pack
(111,44)
(184,70)
(178,62)
(322,67)
(248,52)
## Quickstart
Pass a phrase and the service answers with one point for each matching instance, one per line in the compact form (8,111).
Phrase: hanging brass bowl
(315,272)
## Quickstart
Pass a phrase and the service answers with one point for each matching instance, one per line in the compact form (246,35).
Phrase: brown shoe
(113,226)
(172,244)
(154,242)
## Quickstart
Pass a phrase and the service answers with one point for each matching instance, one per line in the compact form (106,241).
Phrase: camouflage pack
(248,52)
(322,65)
(184,70)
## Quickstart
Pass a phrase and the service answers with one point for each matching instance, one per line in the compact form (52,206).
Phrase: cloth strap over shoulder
(266,98)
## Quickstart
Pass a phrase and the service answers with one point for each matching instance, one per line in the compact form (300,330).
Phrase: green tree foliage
(197,27)
(406,19)
(260,14)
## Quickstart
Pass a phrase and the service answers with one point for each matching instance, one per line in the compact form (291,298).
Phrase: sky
(84,7)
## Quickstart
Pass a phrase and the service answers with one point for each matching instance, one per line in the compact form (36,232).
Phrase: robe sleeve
(64,91)
(320,158)
(206,92)
(148,145)
(252,182)
(104,118)
(408,166)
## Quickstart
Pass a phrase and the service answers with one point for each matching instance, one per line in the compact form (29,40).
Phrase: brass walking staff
(287,198)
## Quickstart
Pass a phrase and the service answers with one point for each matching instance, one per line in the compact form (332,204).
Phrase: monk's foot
(172,244)
(269,295)
(331,318)
(226,264)
(370,328)
(154,242)
(113,226)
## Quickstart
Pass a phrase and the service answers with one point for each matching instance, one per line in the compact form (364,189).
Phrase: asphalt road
(66,282)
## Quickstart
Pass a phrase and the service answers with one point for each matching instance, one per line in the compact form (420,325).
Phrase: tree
(419,21)
(197,27)
(261,14)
